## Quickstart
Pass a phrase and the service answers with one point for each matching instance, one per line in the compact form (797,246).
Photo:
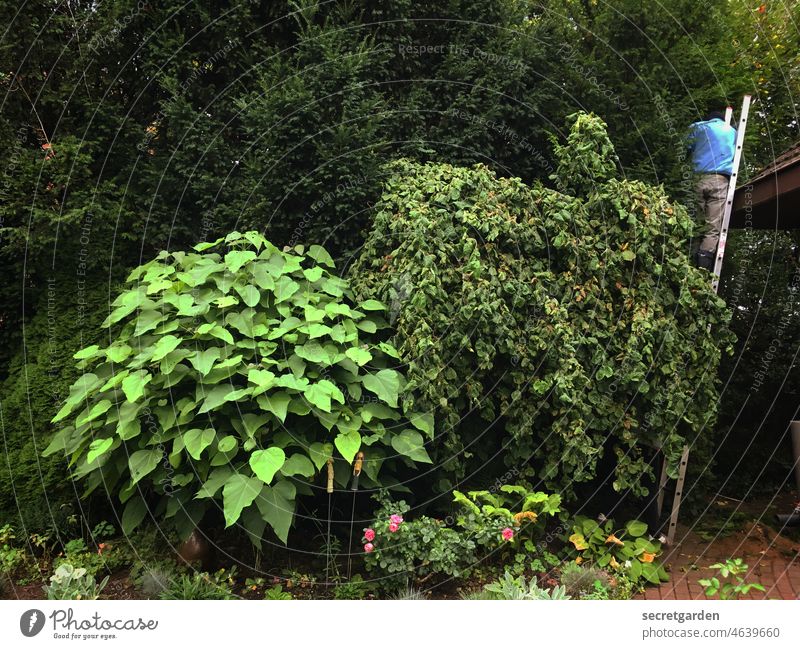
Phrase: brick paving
(780,578)
(774,563)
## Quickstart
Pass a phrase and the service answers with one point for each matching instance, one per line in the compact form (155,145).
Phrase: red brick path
(774,562)
(780,578)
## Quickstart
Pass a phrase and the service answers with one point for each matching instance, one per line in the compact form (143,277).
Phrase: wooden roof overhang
(770,200)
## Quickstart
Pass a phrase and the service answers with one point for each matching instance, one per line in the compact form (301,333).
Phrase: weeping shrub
(234,374)
(569,321)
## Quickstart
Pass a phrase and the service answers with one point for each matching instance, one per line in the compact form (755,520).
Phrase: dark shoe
(704,259)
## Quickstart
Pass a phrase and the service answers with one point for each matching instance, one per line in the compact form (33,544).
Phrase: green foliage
(513,504)
(573,317)
(104,557)
(583,581)
(483,515)
(280,119)
(509,587)
(103,530)
(423,548)
(321,100)
(233,374)
(200,585)
(418,550)
(769,45)
(760,281)
(153,580)
(627,550)
(661,67)
(410,593)
(356,588)
(151,568)
(11,557)
(351,94)
(599,591)
(69,582)
(586,158)
(75,546)
(34,494)
(729,583)
(277,593)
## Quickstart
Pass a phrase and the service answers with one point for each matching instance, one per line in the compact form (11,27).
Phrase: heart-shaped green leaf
(97,448)
(239,492)
(266,463)
(197,440)
(320,453)
(164,346)
(204,360)
(235,259)
(411,444)
(142,463)
(348,444)
(276,505)
(133,385)
(298,464)
(385,384)
(358,355)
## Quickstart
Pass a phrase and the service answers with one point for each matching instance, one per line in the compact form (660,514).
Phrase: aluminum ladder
(723,239)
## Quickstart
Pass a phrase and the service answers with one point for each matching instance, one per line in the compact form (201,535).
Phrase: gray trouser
(712,190)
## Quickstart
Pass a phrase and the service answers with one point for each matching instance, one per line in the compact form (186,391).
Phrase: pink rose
(369,547)
(396,519)
(393,527)
(508,534)
(369,534)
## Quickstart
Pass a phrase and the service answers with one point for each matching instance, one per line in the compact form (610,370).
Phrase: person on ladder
(711,143)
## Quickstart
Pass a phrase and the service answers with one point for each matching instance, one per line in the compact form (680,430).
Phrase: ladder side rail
(726,218)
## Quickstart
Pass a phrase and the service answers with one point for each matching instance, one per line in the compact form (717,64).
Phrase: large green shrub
(233,375)
(571,322)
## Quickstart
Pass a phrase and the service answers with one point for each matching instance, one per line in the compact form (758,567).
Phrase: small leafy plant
(254,584)
(356,588)
(11,557)
(102,531)
(69,582)
(729,583)
(43,542)
(511,587)
(199,586)
(626,550)
(107,556)
(277,593)
(75,546)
